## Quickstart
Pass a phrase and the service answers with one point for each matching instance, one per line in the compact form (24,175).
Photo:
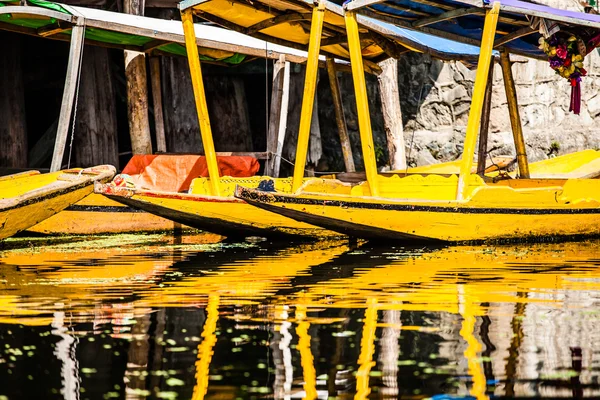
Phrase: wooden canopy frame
(77,23)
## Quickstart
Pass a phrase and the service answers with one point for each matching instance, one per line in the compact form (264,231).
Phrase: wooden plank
(514,35)
(340,118)
(13,128)
(355,4)
(485,122)
(513,111)
(66,107)
(39,11)
(391,48)
(452,14)
(392,114)
(281,19)
(53,29)
(551,16)
(159,122)
(154,44)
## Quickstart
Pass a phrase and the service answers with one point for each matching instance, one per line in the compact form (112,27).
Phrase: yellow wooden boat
(29,198)
(224,214)
(459,207)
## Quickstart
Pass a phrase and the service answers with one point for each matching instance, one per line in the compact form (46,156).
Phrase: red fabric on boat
(174,173)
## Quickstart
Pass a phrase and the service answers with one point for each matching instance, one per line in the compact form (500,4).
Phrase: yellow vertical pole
(362,103)
(200,98)
(308,97)
(483,67)
(513,111)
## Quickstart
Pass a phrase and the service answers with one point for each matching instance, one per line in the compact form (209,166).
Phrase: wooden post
(200,98)
(392,113)
(68,99)
(283,116)
(340,119)
(513,110)
(485,54)
(308,97)
(159,122)
(13,126)
(362,103)
(137,91)
(277,116)
(485,122)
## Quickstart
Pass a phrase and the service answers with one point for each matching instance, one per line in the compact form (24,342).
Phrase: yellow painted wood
(513,112)
(81,222)
(485,54)
(26,200)
(308,97)
(362,103)
(556,203)
(200,99)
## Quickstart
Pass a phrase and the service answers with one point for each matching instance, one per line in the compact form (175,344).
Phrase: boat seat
(174,173)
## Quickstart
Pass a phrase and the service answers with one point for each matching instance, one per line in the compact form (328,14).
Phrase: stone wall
(436,97)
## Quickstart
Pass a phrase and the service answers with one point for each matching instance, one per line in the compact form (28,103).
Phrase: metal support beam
(513,111)
(481,78)
(362,103)
(187,20)
(68,99)
(308,97)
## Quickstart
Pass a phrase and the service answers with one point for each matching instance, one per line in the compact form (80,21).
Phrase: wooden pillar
(308,98)
(340,119)
(68,99)
(362,103)
(485,122)
(96,133)
(392,113)
(137,90)
(513,111)
(191,47)
(280,96)
(159,122)
(485,54)
(13,126)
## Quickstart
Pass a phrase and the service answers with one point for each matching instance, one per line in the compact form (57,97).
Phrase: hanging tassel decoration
(575,106)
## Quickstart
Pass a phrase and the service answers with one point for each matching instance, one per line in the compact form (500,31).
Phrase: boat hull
(405,221)
(225,216)
(96,214)
(39,197)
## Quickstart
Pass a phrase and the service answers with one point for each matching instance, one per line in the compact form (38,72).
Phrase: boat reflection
(323,320)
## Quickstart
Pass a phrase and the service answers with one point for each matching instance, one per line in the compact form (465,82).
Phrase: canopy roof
(287,22)
(110,29)
(462,20)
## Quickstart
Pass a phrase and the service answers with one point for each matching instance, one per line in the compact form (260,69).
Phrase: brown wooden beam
(448,15)
(513,36)
(154,44)
(281,19)
(53,29)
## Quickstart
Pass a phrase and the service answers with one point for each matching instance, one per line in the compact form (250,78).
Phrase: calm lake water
(158,317)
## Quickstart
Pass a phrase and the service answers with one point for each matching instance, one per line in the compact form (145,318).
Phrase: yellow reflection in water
(367,348)
(205,349)
(306,358)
